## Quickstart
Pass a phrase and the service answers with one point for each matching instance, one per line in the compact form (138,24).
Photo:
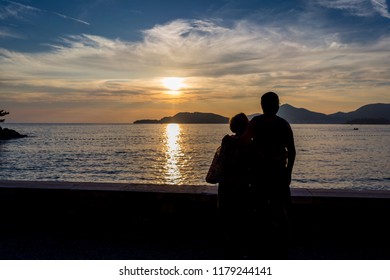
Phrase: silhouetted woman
(233,187)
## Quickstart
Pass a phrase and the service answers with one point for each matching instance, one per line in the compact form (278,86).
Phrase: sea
(328,156)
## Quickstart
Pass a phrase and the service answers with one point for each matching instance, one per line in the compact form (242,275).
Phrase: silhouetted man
(271,177)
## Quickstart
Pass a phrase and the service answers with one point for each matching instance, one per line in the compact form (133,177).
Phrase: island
(188,118)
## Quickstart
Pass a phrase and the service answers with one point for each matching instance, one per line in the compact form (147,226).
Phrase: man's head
(270,103)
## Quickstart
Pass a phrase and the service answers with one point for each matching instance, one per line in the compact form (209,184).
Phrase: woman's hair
(239,123)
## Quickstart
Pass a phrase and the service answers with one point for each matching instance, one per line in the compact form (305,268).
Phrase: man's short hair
(270,103)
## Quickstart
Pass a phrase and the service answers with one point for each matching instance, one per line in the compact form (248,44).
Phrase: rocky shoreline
(7,134)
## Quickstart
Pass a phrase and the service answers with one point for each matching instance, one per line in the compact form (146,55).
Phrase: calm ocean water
(328,156)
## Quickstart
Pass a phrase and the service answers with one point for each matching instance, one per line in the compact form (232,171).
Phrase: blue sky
(106,60)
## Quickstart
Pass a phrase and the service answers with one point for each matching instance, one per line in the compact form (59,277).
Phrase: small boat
(355,128)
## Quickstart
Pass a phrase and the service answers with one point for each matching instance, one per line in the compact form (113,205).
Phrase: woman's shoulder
(226,137)
(230,143)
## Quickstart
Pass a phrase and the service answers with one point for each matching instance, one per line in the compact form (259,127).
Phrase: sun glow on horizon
(173,83)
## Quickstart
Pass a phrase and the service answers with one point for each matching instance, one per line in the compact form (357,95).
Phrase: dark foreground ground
(72,221)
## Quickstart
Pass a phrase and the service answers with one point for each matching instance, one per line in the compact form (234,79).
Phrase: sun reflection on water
(173,153)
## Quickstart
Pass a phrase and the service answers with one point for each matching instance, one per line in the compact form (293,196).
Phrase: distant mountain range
(372,113)
(369,114)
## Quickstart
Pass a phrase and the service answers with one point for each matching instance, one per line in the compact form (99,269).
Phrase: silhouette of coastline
(185,117)
(7,134)
(368,114)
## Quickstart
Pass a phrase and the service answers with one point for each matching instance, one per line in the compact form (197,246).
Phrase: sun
(173,83)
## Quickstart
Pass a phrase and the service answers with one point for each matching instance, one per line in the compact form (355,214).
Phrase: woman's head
(239,123)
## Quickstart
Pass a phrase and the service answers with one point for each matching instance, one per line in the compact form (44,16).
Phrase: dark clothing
(271,177)
(234,183)
(233,193)
(272,135)
(236,161)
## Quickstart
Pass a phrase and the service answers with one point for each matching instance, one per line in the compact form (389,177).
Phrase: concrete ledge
(127,209)
(325,224)
(181,189)
(50,185)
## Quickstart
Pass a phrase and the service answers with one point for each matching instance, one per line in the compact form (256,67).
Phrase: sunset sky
(119,61)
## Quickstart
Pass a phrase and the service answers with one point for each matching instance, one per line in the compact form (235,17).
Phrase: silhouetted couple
(254,183)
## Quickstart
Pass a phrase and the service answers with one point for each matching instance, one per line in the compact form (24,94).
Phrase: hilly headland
(186,117)
(378,113)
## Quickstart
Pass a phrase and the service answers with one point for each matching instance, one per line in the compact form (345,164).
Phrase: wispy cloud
(5,33)
(361,8)
(381,7)
(19,10)
(70,18)
(15,10)
(22,6)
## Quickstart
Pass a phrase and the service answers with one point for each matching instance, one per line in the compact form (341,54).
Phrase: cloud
(16,10)
(197,48)
(70,18)
(19,11)
(5,33)
(363,8)
(381,7)
(218,62)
